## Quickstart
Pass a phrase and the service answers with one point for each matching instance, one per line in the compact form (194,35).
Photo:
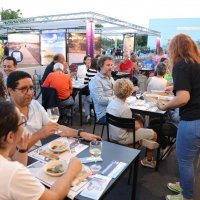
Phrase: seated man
(101,87)
(9,65)
(118,107)
(16,180)
(126,65)
(57,58)
(149,63)
(20,88)
(62,83)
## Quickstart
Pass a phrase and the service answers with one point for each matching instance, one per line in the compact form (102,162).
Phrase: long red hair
(182,47)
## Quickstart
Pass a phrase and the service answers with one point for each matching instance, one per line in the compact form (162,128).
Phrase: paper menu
(37,170)
(77,148)
(95,187)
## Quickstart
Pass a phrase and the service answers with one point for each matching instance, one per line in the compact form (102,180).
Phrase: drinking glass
(53,114)
(138,94)
(95,151)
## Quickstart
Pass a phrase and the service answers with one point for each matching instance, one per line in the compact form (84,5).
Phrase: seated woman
(91,72)
(123,88)
(16,180)
(158,82)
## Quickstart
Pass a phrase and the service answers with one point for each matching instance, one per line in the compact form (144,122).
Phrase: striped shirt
(89,75)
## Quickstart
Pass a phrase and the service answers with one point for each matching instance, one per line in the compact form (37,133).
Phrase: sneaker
(146,163)
(87,119)
(149,144)
(174,197)
(175,187)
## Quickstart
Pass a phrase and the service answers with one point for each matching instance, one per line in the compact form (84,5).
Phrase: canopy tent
(105,25)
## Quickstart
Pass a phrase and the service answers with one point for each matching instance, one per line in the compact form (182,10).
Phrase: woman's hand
(24,141)
(161,105)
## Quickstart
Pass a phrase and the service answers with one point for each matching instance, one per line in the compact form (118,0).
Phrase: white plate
(158,91)
(166,98)
(139,103)
(53,164)
(58,146)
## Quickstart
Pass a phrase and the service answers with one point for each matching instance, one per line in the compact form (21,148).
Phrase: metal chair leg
(102,131)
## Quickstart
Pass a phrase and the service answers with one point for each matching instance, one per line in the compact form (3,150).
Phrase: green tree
(10,14)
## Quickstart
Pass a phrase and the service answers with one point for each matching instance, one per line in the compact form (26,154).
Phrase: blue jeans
(87,102)
(187,146)
(102,119)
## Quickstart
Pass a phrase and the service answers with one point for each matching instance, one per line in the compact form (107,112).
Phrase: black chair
(96,122)
(126,123)
(50,99)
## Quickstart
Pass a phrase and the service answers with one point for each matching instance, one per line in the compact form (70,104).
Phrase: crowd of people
(20,114)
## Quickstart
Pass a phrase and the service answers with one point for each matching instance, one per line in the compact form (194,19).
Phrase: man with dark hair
(58,58)
(21,91)
(101,87)
(9,64)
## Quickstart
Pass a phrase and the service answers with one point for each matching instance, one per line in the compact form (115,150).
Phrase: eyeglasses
(23,123)
(24,90)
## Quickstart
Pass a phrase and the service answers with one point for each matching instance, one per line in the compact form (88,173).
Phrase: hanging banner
(157,44)
(128,46)
(90,38)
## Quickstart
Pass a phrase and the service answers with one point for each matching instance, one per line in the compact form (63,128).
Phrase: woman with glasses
(16,181)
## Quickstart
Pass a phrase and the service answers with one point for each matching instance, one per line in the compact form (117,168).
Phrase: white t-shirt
(81,72)
(118,108)
(156,84)
(37,118)
(17,183)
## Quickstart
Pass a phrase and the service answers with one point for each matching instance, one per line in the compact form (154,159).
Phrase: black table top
(111,152)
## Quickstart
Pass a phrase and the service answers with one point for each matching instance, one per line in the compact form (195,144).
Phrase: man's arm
(70,132)
(44,132)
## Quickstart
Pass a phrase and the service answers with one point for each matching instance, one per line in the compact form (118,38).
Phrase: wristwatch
(21,150)
(79,132)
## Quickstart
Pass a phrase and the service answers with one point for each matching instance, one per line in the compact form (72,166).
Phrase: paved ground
(151,184)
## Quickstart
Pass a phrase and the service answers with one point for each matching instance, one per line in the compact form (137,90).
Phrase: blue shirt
(149,62)
(101,92)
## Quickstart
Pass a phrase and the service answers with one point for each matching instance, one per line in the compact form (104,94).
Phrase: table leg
(80,107)
(135,175)
(158,150)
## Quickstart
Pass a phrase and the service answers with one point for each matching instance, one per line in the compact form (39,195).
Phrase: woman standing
(185,59)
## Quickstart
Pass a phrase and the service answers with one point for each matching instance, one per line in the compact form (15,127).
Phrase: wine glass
(95,151)
(53,114)
(138,94)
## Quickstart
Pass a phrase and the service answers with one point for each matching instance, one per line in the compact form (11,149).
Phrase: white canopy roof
(74,22)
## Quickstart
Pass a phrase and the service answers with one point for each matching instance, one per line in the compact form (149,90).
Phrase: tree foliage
(10,14)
